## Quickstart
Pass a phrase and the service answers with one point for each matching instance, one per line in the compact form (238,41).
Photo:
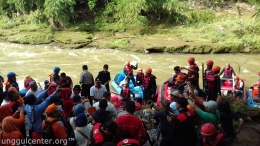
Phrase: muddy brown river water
(38,61)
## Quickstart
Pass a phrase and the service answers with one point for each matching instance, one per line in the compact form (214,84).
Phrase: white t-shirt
(110,107)
(4,102)
(36,93)
(81,140)
(97,93)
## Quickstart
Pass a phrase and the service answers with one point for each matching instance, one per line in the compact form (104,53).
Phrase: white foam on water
(31,55)
(135,57)
(245,71)
(72,54)
(96,58)
(19,62)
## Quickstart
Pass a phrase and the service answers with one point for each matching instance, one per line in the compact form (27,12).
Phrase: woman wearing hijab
(9,132)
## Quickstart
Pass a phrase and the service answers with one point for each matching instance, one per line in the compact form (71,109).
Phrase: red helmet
(210,62)
(138,106)
(216,68)
(126,83)
(191,60)
(127,63)
(193,67)
(148,70)
(236,78)
(208,129)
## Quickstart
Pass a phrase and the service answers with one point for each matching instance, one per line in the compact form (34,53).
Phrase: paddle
(91,110)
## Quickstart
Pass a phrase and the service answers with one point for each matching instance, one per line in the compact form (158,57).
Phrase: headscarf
(27,81)
(79,108)
(8,124)
(5,111)
(66,93)
(67,108)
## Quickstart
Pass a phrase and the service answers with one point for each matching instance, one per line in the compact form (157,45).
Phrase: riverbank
(219,31)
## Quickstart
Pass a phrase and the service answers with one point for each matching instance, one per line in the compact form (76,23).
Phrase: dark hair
(224,106)
(192,81)
(177,68)
(103,104)
(85,67)
(105,66)
(106,94)
(111,126)
(29,99)
(182,102)
(76,98)
(56,77)
(63,74)
(5,94)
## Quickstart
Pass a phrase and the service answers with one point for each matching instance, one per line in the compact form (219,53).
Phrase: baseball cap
(79,108)
(52,108)
(175,93)
(97,80)
(56,69)
(11,75)
(212,105)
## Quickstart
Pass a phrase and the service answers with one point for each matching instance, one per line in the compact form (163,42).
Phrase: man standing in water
(87,81)
(104,77)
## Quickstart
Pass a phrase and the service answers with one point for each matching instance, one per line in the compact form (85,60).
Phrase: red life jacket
(129,70)
(228,72)
(52,89)
(237,85)
(97,135)
(196,66)
(211,80)
(218,138)
(27,82)
(147,81)
(140,77)
(126,92)
(128,141)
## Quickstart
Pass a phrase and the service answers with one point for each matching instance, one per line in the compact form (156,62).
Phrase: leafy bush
(200,16)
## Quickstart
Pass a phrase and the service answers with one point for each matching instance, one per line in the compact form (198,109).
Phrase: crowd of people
(84,115)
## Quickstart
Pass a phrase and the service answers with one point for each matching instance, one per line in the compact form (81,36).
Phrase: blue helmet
(56,69)
(11,75)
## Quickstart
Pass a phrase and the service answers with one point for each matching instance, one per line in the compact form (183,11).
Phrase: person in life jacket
(228,71)
(239,87)
(210,137)
(213,83)
(206,72)
(11,81)
(128,71)
(178,72)
(149,85)
(125,92)
(140,77)
(54,85)
(192,73)
(56,71)
(102,133)
(27,81)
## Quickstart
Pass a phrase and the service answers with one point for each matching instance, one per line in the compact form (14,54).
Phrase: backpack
(47,132)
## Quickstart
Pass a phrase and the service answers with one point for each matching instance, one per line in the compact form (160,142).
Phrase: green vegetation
(171,26)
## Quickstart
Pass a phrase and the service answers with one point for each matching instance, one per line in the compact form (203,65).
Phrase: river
(39,60)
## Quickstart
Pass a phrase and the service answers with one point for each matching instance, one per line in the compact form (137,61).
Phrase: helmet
(177,68)
(11,75)
(236,78)
(56,69)
(127,63)
(191,60)
(215,68)
(208,129)
(138,106)
(148,70)
(126,83)
(140,69)
(210,62)
(193,67)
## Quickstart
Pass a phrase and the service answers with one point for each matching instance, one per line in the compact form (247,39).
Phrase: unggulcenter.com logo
(34,141)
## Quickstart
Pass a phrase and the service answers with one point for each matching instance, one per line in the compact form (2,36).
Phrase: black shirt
(104,76)
(226,121)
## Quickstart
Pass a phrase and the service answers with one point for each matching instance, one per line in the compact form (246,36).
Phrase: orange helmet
(216,68)
(127,63)
(210,62)
(148,70)
(191,60)
(236,78)
(208,129)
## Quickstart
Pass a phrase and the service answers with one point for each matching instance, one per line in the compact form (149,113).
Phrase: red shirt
(130,123)
(66,82)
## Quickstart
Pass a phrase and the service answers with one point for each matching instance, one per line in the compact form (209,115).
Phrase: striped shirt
(86,77)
